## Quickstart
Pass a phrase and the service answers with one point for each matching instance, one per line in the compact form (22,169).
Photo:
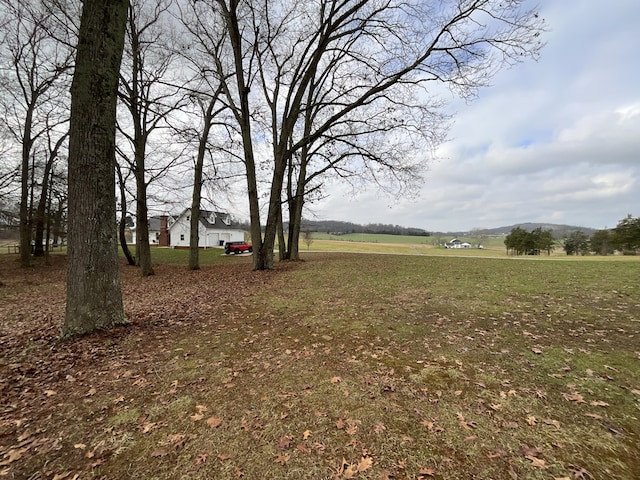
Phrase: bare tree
(149,97)
(94,298)
(53,150)
(35,70)
(357,53)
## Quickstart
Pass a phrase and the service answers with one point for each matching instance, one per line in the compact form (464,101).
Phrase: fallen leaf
(427,423)
(467,425)
(147,427)
(160,452)
(574,397)
(200,459)
(284,442)
(537,351)
(350,472)
(336,379)
(214,422)
(301,447)
(536,462)
(196,417)
(282,458)
(379,428)
(306,434)
(531,420)
(598,403)
(555,423)
(351,429)
(426,472)
(50,393)
(223,457)
(365,464)
(497,454)
(13,455)
(80,446)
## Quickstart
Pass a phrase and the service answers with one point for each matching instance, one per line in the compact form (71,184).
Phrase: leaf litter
(387,391)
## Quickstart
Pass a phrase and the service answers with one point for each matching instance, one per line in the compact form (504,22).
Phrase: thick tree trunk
(25,221)
(143,250)
(196,198)
(282,244)
(295,221)
(94,298)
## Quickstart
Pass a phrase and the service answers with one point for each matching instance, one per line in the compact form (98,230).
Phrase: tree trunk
(94,297)
(44,197)
(295,221)
(196,198)
(123,219)
(282,244)
(25,223)
(143,250)
(38,248)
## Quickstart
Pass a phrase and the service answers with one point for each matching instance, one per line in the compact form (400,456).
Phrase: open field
(341,366)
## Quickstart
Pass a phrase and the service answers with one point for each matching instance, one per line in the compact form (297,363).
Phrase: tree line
(286,96)
(624,238)
(340,228)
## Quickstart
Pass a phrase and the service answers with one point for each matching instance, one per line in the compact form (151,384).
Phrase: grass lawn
(341,366)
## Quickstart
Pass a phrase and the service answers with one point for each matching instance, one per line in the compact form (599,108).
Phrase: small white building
(455,243)
(215,229)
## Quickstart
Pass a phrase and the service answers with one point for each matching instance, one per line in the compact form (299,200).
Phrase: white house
(215,229)
(455,243)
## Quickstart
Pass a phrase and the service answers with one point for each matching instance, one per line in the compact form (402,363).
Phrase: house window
(188,218)
(182,237)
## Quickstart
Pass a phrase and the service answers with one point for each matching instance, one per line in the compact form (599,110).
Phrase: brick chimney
(163,239)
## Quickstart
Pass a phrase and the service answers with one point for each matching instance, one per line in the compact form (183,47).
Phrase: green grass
(456,367)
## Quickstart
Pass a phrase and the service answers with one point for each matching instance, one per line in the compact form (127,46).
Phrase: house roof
(154,223)
(215,220)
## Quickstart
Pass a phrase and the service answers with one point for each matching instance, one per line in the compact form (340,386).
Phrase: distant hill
(336,227)
(342,228)
(559,231)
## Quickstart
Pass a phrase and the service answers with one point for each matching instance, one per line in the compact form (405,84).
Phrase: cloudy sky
(555,141)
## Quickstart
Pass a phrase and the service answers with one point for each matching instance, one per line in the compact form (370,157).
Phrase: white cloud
(553,141)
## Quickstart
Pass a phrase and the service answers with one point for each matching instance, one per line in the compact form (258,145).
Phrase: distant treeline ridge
(342,228)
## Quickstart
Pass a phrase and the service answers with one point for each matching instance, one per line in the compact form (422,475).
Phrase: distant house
(455,243)
(215,229)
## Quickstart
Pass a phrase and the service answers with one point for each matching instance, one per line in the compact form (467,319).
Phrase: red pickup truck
(237,247)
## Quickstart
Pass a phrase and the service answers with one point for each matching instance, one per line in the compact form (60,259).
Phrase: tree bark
(143,250)
(123,219)
(39,250)
(25,221)
(94,297)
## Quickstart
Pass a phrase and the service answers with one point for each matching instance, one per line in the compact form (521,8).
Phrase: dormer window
(227,220)
(212,218)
